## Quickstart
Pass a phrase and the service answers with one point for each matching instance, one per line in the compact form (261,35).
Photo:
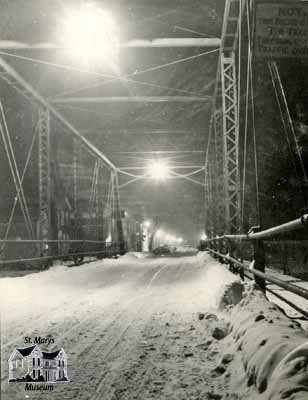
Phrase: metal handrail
(289,226)
(51,258)
(270,278)
(51,241)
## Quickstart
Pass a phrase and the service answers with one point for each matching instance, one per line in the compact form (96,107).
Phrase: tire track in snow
(101,383)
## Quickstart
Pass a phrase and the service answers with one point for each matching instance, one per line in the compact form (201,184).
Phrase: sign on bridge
(281,30)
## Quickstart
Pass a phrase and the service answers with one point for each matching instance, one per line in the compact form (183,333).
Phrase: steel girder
(209,184)
(12,77)
(230,143)
(75,173)
(118,217)
(100,203)
(214,191)
(43,127)
(224,152)
(218,175)
(207,202)
(135,43)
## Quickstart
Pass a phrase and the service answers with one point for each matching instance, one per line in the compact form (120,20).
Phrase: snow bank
(186,249)
(133,254)
(274,348)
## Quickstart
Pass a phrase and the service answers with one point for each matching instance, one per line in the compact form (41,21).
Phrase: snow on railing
(229,248)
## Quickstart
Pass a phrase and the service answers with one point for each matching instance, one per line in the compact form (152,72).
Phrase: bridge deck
(130,327)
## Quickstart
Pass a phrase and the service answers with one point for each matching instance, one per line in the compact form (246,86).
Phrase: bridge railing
(249,254)
(78,250)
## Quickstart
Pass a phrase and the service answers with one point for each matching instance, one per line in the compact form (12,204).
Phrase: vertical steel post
(259,258)
(120,232)
(230,143)
(208,226)
(44,177)
(219,175)
(75,174)
(100,204)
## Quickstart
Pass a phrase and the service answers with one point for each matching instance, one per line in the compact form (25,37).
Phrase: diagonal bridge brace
(11,76)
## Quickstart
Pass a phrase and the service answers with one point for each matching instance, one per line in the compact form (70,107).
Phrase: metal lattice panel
(120,232)
(44,174)
(218,175)
(207,202)
(100,203)
(230,143)
(211,196)
(75,173)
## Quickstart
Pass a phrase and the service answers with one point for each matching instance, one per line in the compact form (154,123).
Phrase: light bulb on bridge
(159,233)
(147,224)
(204,236)
(89,34)
(159,170)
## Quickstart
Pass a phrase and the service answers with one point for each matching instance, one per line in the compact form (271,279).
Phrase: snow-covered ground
(299,301)
(131,328)
(291,297)
(274,348)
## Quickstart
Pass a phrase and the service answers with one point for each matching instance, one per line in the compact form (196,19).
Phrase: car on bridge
(162,250)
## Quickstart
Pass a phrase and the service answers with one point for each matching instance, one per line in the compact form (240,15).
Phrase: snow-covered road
(130,328)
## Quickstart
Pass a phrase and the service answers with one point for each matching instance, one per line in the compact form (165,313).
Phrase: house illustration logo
(30,364)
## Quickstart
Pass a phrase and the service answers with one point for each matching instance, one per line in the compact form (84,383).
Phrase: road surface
(130,328)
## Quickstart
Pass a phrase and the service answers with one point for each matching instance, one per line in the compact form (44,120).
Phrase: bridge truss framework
(222,177)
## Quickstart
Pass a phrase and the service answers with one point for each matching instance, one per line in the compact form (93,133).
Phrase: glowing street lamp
(147,224)
(204,236)
(89,34)
(159,170)
(168,238)
(159,233)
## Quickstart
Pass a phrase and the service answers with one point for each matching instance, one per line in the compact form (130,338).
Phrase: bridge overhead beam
(140,167)
(131,99)
(137,43)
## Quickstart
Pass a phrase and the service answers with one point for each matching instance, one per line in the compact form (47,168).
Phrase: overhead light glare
(159,170)
(89,35)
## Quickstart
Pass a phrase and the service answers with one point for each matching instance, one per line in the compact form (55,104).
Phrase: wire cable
(8,228)
(98,83)
(151,69)
(253,119)
(14,170)
(285,127)
(245,137)
(290,122)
